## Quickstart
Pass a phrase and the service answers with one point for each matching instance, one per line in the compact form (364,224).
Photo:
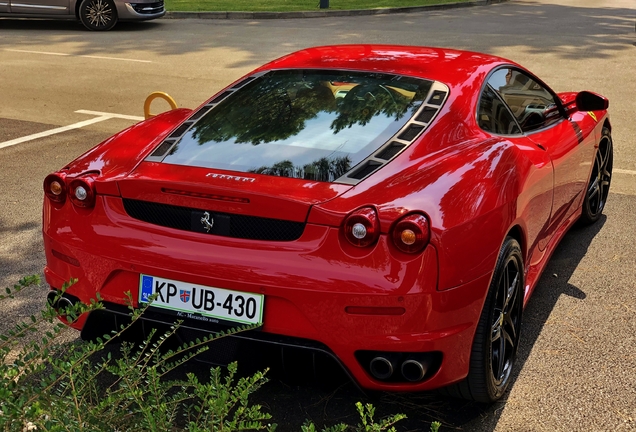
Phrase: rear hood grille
(213,223)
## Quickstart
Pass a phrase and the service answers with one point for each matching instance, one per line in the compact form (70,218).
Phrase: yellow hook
(154,95)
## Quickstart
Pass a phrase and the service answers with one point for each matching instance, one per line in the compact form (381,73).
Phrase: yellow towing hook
(154,95)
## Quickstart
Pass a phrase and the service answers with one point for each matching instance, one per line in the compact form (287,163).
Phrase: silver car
(94,14)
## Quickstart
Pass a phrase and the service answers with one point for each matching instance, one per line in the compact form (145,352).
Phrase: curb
(325,13)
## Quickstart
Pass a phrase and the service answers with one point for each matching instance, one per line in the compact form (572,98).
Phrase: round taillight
(55,187)
(82,192)
(362,227)
(411,234)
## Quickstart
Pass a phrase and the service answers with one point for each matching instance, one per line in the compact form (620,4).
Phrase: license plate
(201,302)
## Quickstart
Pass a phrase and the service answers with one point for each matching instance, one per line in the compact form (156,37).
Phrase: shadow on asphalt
(21,244)
(62,25)
(580,32)
(22,257)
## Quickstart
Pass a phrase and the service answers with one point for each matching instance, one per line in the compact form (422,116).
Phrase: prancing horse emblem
(207,221)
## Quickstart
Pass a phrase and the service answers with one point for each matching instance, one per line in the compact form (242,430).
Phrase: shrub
(80,386)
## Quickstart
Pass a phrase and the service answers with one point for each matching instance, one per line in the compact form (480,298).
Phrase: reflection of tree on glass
(264,115)
(365,101)
(275,108)
(313,124)
(323,169)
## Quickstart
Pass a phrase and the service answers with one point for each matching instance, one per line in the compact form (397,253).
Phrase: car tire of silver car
(98,15)
(600,179)
(496,341)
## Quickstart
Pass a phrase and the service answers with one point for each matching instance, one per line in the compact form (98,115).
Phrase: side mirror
(588,101)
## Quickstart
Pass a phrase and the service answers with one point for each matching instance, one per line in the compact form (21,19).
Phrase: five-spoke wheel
(497,337)
(506,321)
(599,184)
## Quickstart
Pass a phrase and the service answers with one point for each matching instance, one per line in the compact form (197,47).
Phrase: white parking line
(73,55)
(624,171)
(52,132)
(102,116)
(37,52)
(116,58)
(111,115)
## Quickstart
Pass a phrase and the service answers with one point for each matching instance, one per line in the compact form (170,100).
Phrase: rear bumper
(307,285)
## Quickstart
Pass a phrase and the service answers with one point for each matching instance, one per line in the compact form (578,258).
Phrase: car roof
(451,67)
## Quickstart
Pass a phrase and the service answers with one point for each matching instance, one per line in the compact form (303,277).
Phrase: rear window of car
(310,124)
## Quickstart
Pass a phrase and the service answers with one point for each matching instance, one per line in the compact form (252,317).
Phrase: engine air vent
(242,83)
(197,115)
(181,130)
(163,148)
(220,97)
(437,97)
(366,169)
(426,114)
(391,150)
(411,132)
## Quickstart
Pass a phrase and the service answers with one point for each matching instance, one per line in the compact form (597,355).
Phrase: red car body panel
(475,187)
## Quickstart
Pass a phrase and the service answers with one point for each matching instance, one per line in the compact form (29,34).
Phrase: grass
(291,5)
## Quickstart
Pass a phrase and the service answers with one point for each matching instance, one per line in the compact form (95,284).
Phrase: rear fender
(121,153)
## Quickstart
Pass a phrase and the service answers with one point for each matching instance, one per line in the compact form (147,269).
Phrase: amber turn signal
(411,234)
(55,187)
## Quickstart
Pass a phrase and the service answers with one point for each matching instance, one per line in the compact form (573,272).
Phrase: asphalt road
(577,366)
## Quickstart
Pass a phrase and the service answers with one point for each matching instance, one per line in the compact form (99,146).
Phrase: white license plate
(201,302)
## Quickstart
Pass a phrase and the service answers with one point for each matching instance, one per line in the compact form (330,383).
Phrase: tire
(599,184)
(98,15)
(496,341)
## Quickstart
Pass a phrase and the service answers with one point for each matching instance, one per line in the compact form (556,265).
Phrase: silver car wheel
(98,14)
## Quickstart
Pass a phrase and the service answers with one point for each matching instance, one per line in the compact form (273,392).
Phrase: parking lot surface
(62,90)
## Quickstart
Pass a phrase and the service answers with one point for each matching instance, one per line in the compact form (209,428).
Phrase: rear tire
(496,340)
(98,15)
(598,187)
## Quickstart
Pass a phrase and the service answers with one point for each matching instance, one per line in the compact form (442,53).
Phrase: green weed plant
(49,386)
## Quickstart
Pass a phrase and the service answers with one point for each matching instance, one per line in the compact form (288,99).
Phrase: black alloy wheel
(99,15)
(506,322)
(599,184)
(496,340)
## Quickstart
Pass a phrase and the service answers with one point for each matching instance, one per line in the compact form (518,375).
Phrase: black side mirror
(588,101)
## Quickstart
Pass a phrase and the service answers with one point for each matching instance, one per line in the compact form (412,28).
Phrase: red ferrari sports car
(390,206)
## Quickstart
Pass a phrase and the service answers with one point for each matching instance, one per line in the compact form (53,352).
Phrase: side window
(529,101)
(493,116)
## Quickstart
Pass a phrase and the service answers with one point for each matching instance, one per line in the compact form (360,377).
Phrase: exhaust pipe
(413,370)
(381,368)
(64,303)
(58,303)
(51,298)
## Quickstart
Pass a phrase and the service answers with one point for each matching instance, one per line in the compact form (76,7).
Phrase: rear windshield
(309,124)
